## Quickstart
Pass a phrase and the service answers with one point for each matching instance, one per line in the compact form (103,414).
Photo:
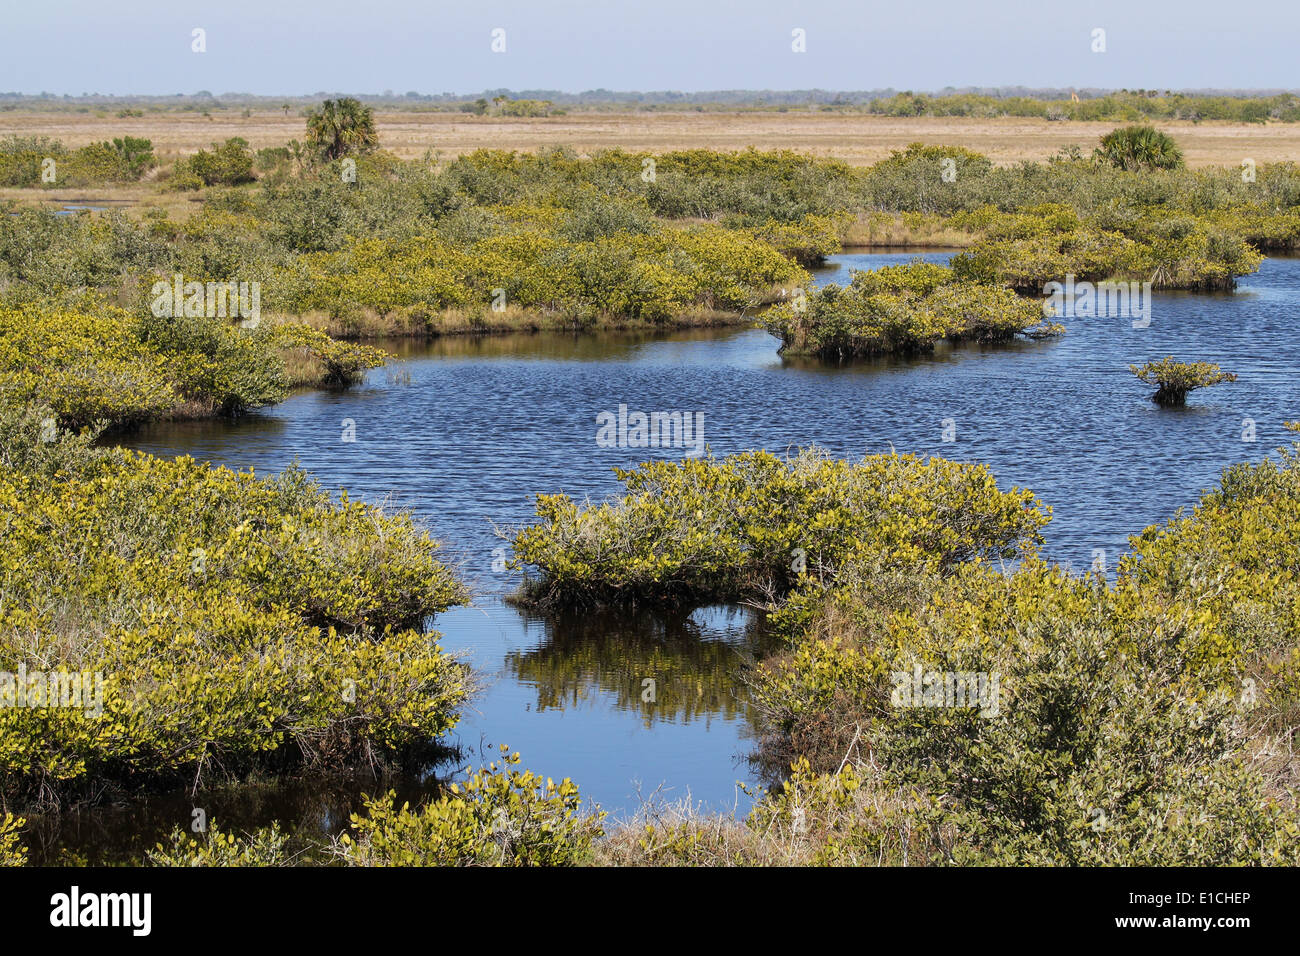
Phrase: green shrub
(123,160)
(498,817)
(1176,379)
(272,157)
(1028,249)
(228,164)
(1129,722)
(265,847)
(344,363)
(898,309)
(12,852)
(238,623)
(755,525)
(106,365)
(1140,147)
(21,158)
(86,367)
(925,178)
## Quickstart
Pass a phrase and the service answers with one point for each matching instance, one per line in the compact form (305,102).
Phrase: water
(485,424)
(72,210)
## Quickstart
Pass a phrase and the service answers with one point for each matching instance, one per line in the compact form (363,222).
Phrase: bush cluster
(237,622)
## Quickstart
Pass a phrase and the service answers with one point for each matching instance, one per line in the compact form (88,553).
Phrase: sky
(296,47)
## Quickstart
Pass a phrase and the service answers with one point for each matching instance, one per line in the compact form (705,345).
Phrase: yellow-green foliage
(1176,379)
(899,309)
(808,241)
(498,817)
(526,108)
(651,276)
(236,621)
(1122,730)
(24,161)
(1130,723)
(740,526)
(85,366)
(380,274)
(265,847)
(343,362)
(103,364)
(1109,741)
(1264,227)
(1028,248)
(1126,724)
(1233,557)
(12,852)
(227,164)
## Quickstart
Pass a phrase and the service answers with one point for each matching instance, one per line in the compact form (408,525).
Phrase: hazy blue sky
(368,46)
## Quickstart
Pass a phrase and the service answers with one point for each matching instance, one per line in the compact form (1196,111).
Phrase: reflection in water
(569,693)
(693,666)
(600,346)
(308,811)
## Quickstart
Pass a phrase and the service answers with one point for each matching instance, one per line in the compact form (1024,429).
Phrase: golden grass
(134,199)
(855,138)
(911,229)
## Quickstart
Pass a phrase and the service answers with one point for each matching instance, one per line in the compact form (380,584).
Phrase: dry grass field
(857,139)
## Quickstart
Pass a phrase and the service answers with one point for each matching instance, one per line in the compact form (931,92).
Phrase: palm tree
(340,127)
(1140,147)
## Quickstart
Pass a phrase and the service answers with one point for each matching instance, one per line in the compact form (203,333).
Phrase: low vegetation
(1123,106)
(1176,379)
(354,242)
(12,851)
(1129,723)
(1140,147)
(226,164)
(1026,250)
(99,363)
(37,161)
(1145,721)
(232,623)
(755,526)
(499,816)
(900,309)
